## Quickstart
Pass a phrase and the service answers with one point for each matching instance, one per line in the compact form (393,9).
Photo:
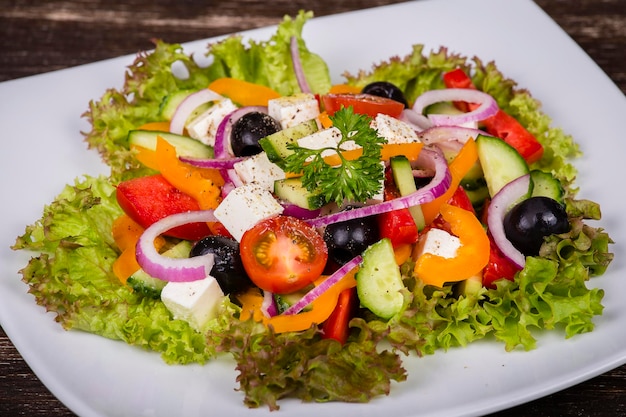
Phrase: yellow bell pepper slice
(471,257)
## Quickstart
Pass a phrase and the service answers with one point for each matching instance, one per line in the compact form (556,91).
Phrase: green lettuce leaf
(72,277)
(269,62)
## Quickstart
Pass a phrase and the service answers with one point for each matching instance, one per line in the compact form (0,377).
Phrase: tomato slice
(283,254)
(367,104)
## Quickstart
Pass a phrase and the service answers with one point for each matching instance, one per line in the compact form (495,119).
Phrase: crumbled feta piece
(394,130)
(195,302)
(293,110)
(258,169)
(438,242)
(204,127)
(246,206)
(325,138)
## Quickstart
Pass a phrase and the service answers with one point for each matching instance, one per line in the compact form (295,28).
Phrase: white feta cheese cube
(394,130)
(293,110)
(195,302)
(258,169)
(244,207)
(438,242)
(204,127)
(325,138)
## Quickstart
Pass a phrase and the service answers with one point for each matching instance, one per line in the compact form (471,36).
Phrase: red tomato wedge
(367,104)
(283,254)
(149,199)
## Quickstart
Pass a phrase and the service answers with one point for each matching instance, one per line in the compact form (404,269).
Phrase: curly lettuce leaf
(72,277)
(269,62)
(305,366)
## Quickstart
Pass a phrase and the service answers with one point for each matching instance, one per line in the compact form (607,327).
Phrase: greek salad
(314,231)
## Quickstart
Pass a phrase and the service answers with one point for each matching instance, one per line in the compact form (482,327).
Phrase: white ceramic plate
(42,149)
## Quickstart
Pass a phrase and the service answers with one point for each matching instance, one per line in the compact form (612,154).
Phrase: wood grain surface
(40,36)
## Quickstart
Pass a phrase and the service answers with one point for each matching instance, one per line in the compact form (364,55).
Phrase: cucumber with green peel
(500,163)
(145,284)
(546,185)
(379,281)
(275,145)
(402,173)
(292,190)
(185,146)
(170,103)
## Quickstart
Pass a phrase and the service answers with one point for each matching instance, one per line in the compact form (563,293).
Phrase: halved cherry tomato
(283,254)
(367,104)
(149,199)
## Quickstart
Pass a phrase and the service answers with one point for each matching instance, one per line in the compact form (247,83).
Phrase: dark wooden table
(40,36)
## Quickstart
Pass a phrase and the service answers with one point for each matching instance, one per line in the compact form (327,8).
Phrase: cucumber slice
(185,146)
(292,190)
(500,162)
(403,177)
(545,185)
(170,103)
(275,145)
(379,282)
(149,286)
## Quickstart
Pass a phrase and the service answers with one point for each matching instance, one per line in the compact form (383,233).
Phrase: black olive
(249,129)
(227,268)
(350,238)
(387,90)
(528,222)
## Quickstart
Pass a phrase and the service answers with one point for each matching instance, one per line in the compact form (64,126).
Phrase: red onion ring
(300,212)
(312,295)
(414,119)
(222,148)
(225,163)
(437,134)
(171,269)
(188,105)
(297,66)
(487,108)
(510,194)
(430,159)
(268,306)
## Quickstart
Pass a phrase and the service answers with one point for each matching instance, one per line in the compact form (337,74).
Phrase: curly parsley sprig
(353,180)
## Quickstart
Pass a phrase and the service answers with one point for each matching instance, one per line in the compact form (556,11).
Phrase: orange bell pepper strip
(156,126)
(344,89)
(460,165)
(321,308)
(389,150)
(471,257)
(126,233)
(242,92)
(324,119)
(200,183)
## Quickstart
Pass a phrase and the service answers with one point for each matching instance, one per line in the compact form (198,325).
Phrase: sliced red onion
(222,148)
(171,269)
(226,163)
(312,295)
(188,105)
(430,159)
(487,108)
(299,212)
(437,134)
(268,306)
(414,119)
(504,199)
(297,66)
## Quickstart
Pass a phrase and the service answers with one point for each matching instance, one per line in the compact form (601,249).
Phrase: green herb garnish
(353,180)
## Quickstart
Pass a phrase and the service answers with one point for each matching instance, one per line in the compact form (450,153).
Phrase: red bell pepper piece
(398,225)
(149,199)
(501,125)
(498,267)
(336,326)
